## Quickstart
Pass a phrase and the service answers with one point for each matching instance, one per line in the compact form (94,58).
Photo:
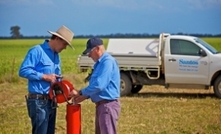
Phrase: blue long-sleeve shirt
(104,82)
(40,59)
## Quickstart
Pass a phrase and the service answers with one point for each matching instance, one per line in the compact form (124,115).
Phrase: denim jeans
(42,114)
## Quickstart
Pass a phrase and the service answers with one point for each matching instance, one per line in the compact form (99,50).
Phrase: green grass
(154,110)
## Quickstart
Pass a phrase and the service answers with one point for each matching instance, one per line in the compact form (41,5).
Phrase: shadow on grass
(174,95)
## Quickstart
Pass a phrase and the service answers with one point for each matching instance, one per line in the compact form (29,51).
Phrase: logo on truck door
(188,65)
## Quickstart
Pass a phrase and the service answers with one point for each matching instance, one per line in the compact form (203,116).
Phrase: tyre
(136,88)
(217,87)
(125,84)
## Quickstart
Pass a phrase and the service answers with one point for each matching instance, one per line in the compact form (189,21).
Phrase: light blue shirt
(40,59)
(104,82)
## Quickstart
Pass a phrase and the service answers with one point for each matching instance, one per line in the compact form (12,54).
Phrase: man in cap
(41,67)
(103,88)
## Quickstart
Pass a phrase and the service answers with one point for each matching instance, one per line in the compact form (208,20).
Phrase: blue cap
(91,43)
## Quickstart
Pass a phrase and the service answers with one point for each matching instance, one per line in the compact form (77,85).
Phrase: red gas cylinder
(73,118)
(60,91)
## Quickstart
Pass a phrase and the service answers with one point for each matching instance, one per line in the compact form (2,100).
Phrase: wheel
(217,87)
(136,88)
(125,84)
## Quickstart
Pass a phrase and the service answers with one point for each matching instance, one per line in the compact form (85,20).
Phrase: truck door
(183,64)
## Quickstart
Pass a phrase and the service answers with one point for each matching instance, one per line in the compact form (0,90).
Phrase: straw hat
(65,34)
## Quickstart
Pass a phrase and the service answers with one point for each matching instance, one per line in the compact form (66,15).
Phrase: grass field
(154,110)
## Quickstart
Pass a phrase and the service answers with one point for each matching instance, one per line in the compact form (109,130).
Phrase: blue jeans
(42,114)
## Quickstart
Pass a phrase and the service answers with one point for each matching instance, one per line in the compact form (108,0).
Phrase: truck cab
(190,62)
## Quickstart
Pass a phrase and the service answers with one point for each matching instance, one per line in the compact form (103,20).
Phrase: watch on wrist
(80,93)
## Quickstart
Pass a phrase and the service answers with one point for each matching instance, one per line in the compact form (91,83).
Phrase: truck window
(183,47)
(206,45)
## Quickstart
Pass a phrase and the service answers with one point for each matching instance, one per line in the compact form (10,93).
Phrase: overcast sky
(84,17)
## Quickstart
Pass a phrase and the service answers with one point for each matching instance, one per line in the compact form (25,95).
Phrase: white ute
(172,61)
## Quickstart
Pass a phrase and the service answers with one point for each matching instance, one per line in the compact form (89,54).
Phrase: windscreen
(206,45)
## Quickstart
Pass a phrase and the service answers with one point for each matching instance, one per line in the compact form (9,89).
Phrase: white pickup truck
(172,61)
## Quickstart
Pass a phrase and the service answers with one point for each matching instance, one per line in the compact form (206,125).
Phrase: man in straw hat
(41,67)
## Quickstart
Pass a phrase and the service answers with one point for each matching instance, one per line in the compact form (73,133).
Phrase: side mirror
(202,53)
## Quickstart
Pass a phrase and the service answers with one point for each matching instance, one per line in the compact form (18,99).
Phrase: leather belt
(103,102)
(38,96)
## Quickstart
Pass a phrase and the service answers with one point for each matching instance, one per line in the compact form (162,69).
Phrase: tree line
(15,34)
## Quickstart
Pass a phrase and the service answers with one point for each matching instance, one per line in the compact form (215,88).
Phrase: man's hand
(50,77)
(78,99)
(73,93)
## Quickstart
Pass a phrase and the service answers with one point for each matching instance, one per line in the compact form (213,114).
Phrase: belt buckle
(37,96)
